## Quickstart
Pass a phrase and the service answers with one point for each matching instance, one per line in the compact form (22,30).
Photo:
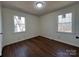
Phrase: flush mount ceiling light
(39,4)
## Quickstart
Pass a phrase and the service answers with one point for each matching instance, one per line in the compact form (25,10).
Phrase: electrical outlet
(77,37)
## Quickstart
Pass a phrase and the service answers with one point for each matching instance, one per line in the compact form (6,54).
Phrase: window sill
(65,32)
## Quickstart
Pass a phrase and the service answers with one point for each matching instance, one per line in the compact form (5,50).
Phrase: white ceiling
(28,6)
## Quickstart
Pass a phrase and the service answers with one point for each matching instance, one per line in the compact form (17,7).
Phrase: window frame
(20,24)
(65,22)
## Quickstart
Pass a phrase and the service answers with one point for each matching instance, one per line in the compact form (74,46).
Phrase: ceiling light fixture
(39,4)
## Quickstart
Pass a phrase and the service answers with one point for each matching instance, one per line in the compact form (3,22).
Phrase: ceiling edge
(18,9)
(60,8)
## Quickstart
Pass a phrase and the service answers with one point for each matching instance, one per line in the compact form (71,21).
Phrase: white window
(19,24)
(65,22)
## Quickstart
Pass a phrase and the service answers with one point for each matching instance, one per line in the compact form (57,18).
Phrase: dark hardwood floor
(40,47)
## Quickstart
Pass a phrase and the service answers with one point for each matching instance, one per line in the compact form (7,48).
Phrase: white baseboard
(62,41)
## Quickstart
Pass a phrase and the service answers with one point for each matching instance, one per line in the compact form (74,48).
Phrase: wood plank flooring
(40,47)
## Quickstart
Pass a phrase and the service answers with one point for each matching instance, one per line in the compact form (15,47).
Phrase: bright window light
(65,22)
(19,24)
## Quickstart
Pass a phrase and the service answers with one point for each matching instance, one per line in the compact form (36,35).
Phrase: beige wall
(32,26)
(49,26)
(0,30)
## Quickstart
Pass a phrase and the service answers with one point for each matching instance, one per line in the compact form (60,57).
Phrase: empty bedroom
(39,28)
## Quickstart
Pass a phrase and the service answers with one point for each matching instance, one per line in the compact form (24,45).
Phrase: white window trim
(64,31)
(21,24)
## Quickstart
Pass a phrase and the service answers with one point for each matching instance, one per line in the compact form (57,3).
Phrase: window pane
(69,17)
(60,27)
(60,19)
(22,20)
(68,27)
